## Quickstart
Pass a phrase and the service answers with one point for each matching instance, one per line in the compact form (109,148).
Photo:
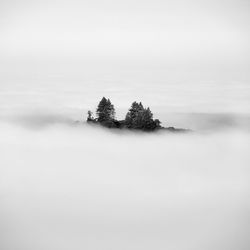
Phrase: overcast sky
(159,28)
(128,42)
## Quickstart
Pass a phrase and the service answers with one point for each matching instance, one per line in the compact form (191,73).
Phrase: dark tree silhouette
(139,117)
(90,116)
(132,116)
(105,111)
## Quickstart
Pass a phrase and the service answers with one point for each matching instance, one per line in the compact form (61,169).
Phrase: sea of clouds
(67,185)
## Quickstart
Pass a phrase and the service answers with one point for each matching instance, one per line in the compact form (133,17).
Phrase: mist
(65,184)
(74,186)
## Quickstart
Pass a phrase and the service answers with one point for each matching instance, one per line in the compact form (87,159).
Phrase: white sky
(129,43)
(158,28)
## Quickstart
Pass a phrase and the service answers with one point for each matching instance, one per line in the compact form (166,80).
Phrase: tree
(105,111)
(90,116)
(139,117)
(147,119)
(132,116)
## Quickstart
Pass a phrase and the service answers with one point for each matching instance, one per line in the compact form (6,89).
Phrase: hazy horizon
(67,185)
(181,53)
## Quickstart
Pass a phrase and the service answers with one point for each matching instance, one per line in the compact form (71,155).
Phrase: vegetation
(105,110)
(138,117)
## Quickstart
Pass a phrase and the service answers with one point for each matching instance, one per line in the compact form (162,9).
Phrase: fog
(66,185)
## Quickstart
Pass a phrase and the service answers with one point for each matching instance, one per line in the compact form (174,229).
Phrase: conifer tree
(132,115)
(105,110)
(139,117)
(90,116)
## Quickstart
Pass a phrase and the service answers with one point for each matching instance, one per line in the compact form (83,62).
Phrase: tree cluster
(137,117)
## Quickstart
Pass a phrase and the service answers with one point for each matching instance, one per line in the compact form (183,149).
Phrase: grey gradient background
(190,56)
(70,186)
